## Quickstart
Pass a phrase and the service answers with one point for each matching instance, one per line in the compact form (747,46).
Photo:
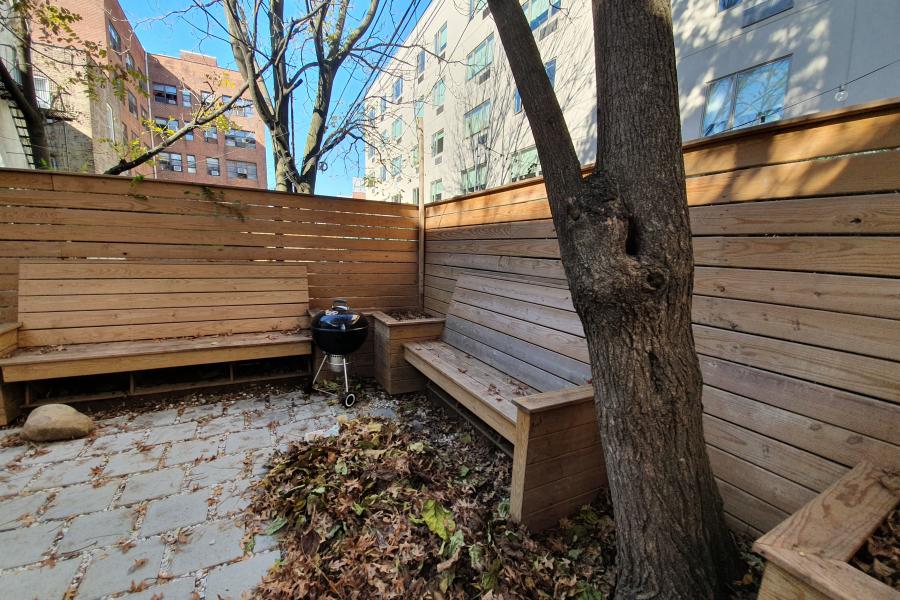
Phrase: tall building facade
(14,151)
(740,63)
(165,90)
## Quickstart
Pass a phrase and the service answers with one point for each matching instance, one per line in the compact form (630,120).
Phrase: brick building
(98,126)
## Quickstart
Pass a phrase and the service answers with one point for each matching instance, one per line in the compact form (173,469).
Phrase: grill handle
(340,304)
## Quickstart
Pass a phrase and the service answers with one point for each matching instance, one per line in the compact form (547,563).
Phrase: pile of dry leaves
(378,512)
(880,555)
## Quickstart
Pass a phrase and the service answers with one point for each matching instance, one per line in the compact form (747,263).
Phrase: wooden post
(421,259)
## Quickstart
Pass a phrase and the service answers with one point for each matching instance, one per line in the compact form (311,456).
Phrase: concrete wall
(831,42)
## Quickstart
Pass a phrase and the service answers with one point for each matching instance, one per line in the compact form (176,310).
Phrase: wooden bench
(88,317)
(514,354)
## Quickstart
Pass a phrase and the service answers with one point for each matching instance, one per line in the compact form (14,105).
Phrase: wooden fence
(797,295)
(361,250)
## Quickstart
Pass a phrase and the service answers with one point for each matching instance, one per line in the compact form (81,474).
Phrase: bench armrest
(537,403)
(9,338)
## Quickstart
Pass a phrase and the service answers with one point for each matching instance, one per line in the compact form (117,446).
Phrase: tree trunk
(316,133)
(625,243)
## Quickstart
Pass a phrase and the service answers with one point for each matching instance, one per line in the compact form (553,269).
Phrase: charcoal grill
(338,332)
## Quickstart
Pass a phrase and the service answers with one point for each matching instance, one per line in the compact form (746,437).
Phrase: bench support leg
(11,401)
(557,463)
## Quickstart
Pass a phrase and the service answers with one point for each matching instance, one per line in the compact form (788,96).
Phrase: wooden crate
(808,553)
(392,371)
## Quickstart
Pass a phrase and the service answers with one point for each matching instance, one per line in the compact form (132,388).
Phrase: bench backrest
(87,301)
(530,331)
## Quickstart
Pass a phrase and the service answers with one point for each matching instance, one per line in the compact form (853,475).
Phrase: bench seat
(494,392)
(513,353)
(32,364)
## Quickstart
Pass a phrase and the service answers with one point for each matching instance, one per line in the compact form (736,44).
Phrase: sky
(165,27)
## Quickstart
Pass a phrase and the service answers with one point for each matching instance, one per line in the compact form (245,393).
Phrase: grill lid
(339,318)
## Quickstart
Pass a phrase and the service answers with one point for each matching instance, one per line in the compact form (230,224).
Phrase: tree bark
(625,243)
(317,125)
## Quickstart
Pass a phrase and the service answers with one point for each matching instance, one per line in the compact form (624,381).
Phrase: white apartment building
(740,63)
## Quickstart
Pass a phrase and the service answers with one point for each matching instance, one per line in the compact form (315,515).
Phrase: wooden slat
(504,231)
(832,442)
(55,269)
(534,293)
(791,142)
(749,508)
(852,333)
(517,265)
(42,287)
(135,301)
(830,254)
(874,418)
(859,174)
(95,318)
(838,521)
(872,296)
(554,318)
(121,333)
(536,248)
(871,376)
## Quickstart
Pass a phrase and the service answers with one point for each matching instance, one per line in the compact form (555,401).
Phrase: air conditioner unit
(176,168)
(485,12)
(438,159)
(547,29)
(482,138)
(485,75)
(439,109)
(421,77)
(214,172)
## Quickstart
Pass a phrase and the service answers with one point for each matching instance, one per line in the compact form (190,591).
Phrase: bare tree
(625,243)
(326,26)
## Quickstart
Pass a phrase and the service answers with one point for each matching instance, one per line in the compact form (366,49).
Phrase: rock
(53,422)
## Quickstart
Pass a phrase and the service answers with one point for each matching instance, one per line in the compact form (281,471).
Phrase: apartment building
(163,89)
(740,63)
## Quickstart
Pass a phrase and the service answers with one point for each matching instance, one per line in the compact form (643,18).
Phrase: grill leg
(312,382)
(346,379)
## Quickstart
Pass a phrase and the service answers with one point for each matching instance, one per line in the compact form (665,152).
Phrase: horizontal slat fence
(361,250)
(797,295)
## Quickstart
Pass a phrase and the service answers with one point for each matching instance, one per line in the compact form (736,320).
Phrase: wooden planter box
(391,370)
(808,552)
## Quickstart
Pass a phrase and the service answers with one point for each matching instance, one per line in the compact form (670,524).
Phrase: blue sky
(189,32)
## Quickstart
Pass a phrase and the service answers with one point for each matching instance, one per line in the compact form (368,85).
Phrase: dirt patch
(879,557)
(409,315)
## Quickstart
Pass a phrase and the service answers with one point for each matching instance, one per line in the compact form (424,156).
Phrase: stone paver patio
(150,507)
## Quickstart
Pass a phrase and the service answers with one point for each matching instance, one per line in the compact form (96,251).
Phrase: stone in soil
(154,484)
(67,473)
(53,422)
(208,545)
(177,589)
(252,439)
(191,450)
(55,452)
(50,581)
(81,499)
(13,482)
(225,468)
(119,442)
(15,511)
(98,529)
(127,463)
(221,425)
(171,433)
(173,512)
(112,570)
(27,544)
(236,579)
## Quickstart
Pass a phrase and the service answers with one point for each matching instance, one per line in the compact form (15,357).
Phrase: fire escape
(8,56)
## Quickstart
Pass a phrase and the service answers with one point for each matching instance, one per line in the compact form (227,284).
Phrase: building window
(168,126)
(383,105)
(240,139)
(212,167)
(415,196)
(396,166)
(420,65)
(170,161)
(474,179)
(550,68)
(42,91)
(211,135)
(479,59)
(539,12)
(747,98)
(115,42)
(239,169)
(144,117)
(383,172)
(397,129)
(242,108)
(205,97)
(420,108)
(132,104)
(191,163)
(475,6)
(524,165)
(437,143)
(189,136)
(165,94)
(372,113)
(397,198)
(726,4)
(478,119)
(438,93)
(185,97)
(440,40)
(129,62)
(110,123)
(398,89)
(437,190)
